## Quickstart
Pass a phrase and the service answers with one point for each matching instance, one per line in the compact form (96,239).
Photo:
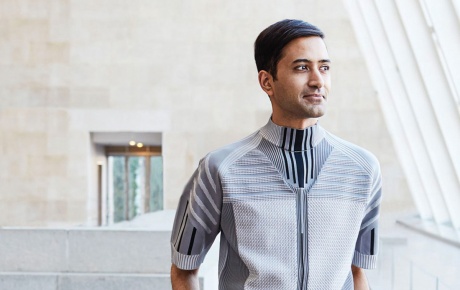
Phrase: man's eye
(325,67)
(301,67)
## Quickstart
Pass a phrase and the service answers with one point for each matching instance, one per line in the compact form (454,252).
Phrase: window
(135,177)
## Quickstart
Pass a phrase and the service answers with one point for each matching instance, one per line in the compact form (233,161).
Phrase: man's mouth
(314,96)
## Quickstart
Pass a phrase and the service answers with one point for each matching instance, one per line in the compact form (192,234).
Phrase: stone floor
(413,259)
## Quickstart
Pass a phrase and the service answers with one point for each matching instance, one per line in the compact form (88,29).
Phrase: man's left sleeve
(366,248)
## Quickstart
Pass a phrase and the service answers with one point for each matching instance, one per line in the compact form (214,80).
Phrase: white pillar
(446,156)
(391,118)
(396,96)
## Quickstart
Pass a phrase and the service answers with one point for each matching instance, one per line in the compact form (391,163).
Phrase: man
(296,207)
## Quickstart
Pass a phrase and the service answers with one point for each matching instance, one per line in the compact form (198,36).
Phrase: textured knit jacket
(295,208)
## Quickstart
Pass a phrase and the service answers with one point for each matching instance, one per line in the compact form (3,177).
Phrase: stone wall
(183,68)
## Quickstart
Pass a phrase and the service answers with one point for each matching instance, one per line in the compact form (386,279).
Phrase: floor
(411,258)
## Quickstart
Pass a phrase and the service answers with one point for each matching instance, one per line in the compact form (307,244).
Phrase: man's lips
(313,96)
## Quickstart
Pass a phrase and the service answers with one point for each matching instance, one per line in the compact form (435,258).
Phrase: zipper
(302,223)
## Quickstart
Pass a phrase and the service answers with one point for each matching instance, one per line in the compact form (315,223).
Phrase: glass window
(135,185)
(119,187)
(156,183)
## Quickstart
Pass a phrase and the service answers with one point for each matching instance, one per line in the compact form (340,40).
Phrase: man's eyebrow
(309,61)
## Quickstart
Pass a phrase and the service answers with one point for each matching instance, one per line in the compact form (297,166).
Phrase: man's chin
(315,113)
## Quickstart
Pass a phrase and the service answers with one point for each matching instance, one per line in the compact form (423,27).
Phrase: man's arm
(359,278)
(184,279)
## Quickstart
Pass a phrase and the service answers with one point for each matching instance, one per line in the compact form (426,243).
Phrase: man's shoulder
(220,159)
(366,159)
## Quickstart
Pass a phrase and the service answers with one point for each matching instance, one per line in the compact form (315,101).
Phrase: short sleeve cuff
(185,262)
(364,261)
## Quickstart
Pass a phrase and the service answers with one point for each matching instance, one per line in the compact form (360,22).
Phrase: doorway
(135,182)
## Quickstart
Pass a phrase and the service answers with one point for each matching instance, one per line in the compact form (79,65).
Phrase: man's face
(302,81)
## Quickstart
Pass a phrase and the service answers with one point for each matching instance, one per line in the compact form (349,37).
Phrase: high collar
(292,139)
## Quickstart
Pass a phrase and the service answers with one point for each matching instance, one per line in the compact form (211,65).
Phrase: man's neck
(299,124)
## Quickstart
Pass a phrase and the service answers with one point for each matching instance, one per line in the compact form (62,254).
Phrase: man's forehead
(312,48)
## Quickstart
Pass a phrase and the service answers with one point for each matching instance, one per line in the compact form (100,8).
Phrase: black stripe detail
(283,153)
(192,239)
(298,140)
(300,173)
(372,241)
(182,234)
(305,141)
(307,164)
(181,223)
(290,140)
(311,155)
(293,166)
(305,154)
(284,137)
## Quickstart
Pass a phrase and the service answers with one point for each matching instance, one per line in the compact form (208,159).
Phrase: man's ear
(266,82)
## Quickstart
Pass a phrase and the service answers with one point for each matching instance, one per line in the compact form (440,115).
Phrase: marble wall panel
(71,67)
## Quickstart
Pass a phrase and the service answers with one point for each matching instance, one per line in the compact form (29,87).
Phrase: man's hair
(270,42)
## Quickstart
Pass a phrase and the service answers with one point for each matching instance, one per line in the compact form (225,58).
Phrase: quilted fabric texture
(295,208)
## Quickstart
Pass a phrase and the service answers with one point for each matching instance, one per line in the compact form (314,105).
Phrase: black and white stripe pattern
(299,157)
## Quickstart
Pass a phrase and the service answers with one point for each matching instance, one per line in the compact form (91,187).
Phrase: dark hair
(270,42)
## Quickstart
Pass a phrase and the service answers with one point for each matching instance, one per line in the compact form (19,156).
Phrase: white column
(445,33)
(398,98)
(446,158)
(392,119)
(456,8)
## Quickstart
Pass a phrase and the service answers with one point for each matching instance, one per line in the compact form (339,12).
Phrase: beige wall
(184,68)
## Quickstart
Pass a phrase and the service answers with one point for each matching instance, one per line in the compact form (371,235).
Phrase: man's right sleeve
(197,221)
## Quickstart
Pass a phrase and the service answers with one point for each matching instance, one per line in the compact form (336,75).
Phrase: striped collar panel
(292,139)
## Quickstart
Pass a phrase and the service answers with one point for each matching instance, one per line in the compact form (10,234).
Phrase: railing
(398,271)
(418,277)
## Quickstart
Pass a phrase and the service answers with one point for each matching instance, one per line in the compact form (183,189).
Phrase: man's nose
(315,79)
